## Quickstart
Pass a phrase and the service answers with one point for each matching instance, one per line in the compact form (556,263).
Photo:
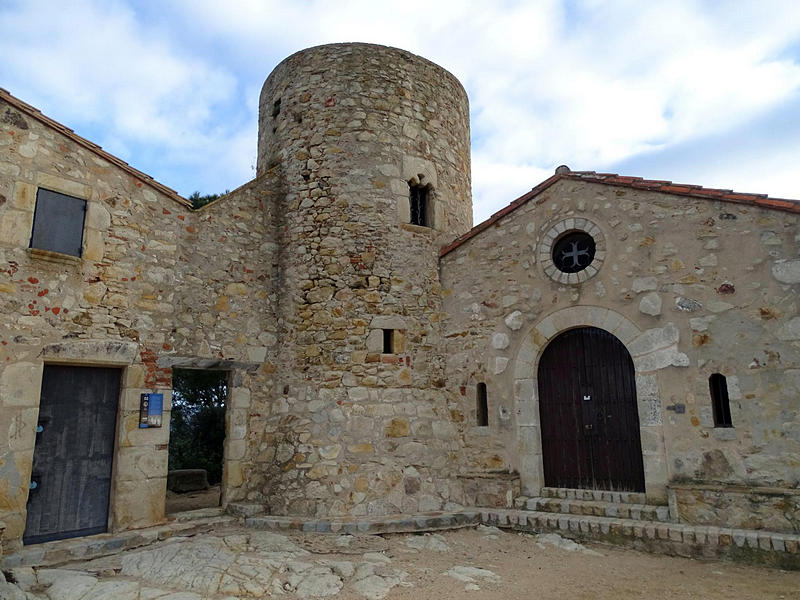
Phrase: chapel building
(601,337)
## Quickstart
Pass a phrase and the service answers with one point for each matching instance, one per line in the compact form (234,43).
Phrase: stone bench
(187,480)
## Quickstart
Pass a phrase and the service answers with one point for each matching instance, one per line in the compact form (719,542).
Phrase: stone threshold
(596,495)
(59,552)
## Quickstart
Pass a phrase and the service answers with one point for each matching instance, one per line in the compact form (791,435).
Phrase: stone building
(385,357)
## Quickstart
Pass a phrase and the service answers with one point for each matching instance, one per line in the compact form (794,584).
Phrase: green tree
(198,200)
(197,426)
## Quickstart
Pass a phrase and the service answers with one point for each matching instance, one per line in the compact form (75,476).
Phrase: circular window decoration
(572,250)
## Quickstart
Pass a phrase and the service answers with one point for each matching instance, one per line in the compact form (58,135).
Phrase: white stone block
(500,364)
(644,284)
(790,331)
(515,320)
(20,384)
(653,339)
(787,271)
(500,341)
(650,304)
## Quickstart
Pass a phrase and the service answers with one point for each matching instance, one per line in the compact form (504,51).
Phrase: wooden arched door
(588,414)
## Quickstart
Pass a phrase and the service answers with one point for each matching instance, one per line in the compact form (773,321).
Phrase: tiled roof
(66,131)
(653,185)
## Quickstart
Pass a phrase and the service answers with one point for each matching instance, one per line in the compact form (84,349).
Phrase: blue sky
(696,92)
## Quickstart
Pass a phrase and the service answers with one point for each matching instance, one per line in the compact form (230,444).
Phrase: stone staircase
(620,518)
(586,515)
(596,503)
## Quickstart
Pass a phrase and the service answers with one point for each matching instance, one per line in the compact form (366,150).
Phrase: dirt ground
(530,570)
(192,500)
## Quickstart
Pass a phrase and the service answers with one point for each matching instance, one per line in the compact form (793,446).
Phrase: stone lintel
(108,352)
(218,364)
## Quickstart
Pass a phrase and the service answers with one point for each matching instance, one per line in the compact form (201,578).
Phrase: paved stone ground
(234,563)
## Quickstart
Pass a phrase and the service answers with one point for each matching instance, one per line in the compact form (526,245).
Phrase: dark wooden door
(74,450)
(588,414)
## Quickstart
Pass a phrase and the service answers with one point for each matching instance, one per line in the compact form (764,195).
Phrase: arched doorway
(588,413)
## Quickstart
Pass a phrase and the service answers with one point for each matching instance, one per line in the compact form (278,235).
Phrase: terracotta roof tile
(35,113)
(655,185)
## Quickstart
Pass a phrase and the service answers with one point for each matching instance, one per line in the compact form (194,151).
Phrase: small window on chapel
(719,400)
(482,408)
(58,223)
(388,341)
(418,202)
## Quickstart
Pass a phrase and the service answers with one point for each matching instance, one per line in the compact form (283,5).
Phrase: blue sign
(151,408)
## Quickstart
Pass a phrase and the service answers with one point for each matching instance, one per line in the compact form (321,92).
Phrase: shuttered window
(58,223)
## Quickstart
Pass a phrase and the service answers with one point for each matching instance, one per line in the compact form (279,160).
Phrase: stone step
(599,508)
(105,544)
(775,549)
(431,521)
(754,546)
(761,547)
(602,495)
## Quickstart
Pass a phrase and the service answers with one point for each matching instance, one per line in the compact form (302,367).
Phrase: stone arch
(650,350)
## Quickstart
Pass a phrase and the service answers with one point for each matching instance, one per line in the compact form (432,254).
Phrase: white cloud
(588,83)
(97,62)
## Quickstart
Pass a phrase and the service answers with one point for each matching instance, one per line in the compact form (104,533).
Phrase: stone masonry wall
(226,297)
(355,430)
(155,282)
(693,287)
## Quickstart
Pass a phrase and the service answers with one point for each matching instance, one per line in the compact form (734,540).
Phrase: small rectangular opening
(418,202)
(720,402)
(196,450)
(482,408)
(388,341)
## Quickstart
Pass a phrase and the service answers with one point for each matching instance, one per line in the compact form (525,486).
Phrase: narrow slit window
(418,201)
(719,400)
(388,341)
(482,409)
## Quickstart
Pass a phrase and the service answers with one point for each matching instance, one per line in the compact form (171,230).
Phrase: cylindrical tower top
(372,111)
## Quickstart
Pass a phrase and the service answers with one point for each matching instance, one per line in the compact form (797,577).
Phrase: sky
(702,92)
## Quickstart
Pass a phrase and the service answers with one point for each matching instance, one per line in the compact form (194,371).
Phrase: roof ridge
(37,114)
(654,185)
(623,179)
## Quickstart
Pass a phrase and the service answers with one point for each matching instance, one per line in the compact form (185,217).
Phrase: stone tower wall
(353,429)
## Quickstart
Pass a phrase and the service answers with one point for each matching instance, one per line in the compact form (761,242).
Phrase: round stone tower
(370,149)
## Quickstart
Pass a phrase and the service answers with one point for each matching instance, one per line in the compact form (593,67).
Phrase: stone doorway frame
(237,407)
(648,349)
(121,355)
